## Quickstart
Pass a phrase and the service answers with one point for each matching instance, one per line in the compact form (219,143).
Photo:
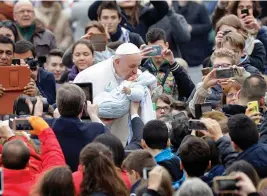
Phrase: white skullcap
(127,48)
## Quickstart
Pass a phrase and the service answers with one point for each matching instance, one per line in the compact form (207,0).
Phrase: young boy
(156,141)
(170,75)
(236,42)
(134,165)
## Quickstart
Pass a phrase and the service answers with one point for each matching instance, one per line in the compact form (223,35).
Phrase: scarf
(73,73)
(121,35)
(26,32)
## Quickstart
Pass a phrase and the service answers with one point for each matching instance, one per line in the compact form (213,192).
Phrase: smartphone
(202,108)
(196,125)
(22,124)
(99,41)
(146,170)
(255,108)
(245,11)
(88,91)
(15,61)
(206,71)
(156,51)
(1,182)
(224,73)
(225,184)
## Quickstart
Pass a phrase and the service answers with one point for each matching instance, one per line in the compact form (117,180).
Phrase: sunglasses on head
(6,23)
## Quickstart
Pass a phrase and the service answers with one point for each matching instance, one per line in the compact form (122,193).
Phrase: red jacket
(19,182)
(78,177)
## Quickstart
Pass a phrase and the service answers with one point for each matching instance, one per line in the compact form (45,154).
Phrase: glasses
(165,108)
(224,65)
(231,95)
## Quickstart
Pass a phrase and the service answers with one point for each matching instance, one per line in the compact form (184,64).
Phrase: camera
(33,63)
(21,108)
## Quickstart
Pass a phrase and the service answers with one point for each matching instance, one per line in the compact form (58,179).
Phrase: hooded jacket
(171,162)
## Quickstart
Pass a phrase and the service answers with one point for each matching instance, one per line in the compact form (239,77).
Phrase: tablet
(88,91)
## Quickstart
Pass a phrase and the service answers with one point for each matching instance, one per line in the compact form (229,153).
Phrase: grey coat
(176,29)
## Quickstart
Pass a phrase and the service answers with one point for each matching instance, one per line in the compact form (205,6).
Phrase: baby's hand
(126,90)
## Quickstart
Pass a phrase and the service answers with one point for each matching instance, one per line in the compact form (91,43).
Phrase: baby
(115,101)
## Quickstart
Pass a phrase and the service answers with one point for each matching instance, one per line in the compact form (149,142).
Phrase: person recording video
(45,81)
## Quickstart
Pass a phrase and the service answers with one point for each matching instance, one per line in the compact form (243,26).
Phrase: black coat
(147,16)
(73,135)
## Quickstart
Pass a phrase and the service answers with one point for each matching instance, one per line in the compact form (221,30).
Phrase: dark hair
(70,100)
(11,26)
(56,181)
(100,174)
(15,155)
(23,46)
(95,24)
(7,40)
(245,167)
(108,5)
(84,42)
(214,152)
(115,146)
(56,52)
(233,5)
(155,134)
(195,155)
(179,131)
(138,160)
(243,131)
(155,34)
(253,88)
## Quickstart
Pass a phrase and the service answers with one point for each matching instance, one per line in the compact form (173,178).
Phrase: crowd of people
(132,98)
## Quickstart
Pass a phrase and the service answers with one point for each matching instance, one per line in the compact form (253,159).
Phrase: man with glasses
(7,47)
(42,39)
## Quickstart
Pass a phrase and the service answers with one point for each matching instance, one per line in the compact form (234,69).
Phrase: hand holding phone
(225,184)
(223,73)
(156,50)
(253,111)
(196,125)
(245,11)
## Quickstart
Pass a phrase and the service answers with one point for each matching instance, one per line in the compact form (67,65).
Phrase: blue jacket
(217,170)
(256,155)
(171,162)
(262,36)
(73,135)
(46,84)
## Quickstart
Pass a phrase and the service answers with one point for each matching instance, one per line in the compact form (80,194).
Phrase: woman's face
(7,32)
(82,57)
(231,97)
(227,28)
(242,5)
(126,3)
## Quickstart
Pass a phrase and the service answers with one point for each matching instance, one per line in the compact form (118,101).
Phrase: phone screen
(206,107)
(88,91)
(156,51)
(196,125)
(224,73)
(226,184)
(22,125)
